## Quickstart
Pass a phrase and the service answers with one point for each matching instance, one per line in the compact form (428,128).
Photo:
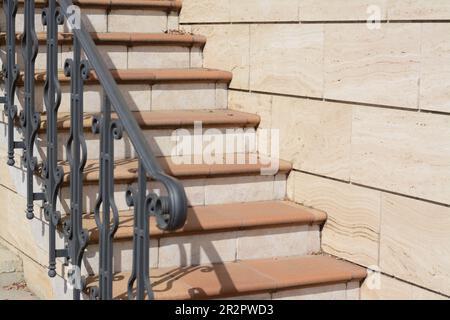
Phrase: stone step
(308,277)
(125,171)
(146,89)
(218,233)
(166,132)
(126,50)
(204,184)
(115,15)
(212,234)
(219,218)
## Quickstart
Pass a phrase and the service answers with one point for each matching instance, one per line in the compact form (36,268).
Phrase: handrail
(177,204)
(170,210)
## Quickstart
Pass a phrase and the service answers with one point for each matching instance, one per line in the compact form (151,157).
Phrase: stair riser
(199,191)
(123,57)
(144,97)
(115,20)
(163,143)
(215,247)
(339,291)
(199,249)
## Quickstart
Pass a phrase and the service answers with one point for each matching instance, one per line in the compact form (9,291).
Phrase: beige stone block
(221,96)
(41,58)
(173,21)
(227,48)
(341,10)
(314,135)
(196,57)
(392,289)
(435,71)
(158,57)
(194,189)
(137,96)
(20,20)
(209,145)
(261,296)
(353,290)
(239,189)
(400,151)
(287,59)
(290,186)
(280,186)
(122,257)
(327,292)
(352,228)
(205,11)
(263,11)
(260,104)
(37,279)
(418,10)
(414,242)
(137,21)
(378,66)
(25,236)
(278,242)
(114,56)
(90,195)
(183,96)
(197,249)
(95,20)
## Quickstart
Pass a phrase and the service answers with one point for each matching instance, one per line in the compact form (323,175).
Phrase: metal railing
(170,211)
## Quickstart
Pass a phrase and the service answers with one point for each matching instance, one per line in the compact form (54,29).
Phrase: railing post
(76,236)
(11,74)
(52,17)
(105,204)
(30,119)
(144,205)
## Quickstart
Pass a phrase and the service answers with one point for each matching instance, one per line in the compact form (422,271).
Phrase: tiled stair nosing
(128,39)
(172,119)
(148,76)
(125,170)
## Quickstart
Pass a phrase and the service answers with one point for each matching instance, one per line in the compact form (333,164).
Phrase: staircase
(242,238)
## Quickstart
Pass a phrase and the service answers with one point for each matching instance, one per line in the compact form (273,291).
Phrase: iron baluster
(76,236)
(105,204)
(141,237)
(11,74)
(52,17)
(30,119)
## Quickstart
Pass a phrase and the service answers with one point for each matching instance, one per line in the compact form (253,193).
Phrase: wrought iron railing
(170,211)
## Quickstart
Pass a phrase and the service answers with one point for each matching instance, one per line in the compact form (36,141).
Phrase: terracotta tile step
(125,171)
(167,5)
(241,278)
(171,119)
(224,217)
(125,38)
(149,76)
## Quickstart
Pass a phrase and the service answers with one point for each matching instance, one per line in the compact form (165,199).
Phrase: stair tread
(150,75)
(126,170)
(170,118)
(223,217)
(125,38)
(242,277)
(173,5)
